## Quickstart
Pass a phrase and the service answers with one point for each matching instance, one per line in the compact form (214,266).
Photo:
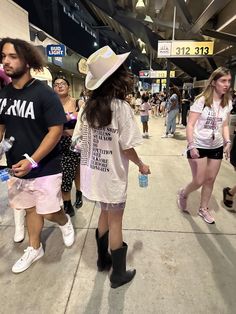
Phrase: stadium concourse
(183,264)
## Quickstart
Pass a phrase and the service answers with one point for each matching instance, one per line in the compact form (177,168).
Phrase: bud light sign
(56,51)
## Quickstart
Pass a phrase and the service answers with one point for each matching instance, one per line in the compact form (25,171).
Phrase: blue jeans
(171,121)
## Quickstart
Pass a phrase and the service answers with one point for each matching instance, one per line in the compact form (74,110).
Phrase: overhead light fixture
(226,23)
(140,5)
(148,19)
(144,50)
(222,50)
(141,43)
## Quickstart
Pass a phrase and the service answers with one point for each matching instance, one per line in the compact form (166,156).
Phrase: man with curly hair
(32,113)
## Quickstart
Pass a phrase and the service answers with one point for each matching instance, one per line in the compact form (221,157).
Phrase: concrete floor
(183,265)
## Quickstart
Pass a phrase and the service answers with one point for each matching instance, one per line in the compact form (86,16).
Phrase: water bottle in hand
(76,145)
(6,174)
(143,180)
(6,144)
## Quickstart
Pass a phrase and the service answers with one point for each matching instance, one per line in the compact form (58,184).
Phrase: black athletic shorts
(215,153)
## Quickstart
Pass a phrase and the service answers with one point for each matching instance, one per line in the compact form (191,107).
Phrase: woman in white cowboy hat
(109,134)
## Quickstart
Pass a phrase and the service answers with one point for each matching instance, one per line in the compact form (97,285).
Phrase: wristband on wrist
(190,145)
(33,162)
(227,142)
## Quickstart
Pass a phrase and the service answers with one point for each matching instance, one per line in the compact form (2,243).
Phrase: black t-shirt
(27,114)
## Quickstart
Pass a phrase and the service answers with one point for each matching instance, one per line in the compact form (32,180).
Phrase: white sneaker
(164,136)
(171,135)
(19,217)
(30,256)
(68,232)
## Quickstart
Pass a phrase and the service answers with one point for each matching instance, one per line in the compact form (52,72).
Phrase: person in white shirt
(208,137)
(144,114)
(107,133)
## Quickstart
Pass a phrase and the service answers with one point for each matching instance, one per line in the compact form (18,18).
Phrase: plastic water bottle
(6,144)
(76,145)
(143,180)
(6,174)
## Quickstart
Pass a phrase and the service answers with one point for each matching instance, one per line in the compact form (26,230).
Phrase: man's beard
(17,74)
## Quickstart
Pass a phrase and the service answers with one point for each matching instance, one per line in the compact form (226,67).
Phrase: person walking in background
(70,159)
(162,104)
(109,133)
(208,136)
(185,107)
(144,114)
(138,102)
(32,113)
(173,110)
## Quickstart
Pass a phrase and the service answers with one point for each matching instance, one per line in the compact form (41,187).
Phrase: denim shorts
(215,153)
(144,119)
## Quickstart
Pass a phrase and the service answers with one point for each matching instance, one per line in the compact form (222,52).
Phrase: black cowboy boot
(68,208)
(120,275)
(78,199)
(104,258)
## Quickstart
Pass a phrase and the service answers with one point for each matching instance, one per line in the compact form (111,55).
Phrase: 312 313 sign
(186,51)
(184,48)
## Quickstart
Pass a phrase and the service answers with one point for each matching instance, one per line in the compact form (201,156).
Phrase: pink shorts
(44,193)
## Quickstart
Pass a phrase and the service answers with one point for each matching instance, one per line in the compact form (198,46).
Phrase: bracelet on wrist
(190,147)
(33,162)
(227,142)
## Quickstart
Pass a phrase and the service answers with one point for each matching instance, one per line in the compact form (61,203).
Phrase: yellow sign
(184,48)
(160,74)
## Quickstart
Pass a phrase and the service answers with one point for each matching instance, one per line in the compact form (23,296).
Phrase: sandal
(228,202)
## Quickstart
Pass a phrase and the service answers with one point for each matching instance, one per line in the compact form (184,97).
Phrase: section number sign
(184,48)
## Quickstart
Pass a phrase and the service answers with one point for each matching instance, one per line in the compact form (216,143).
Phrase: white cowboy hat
(102,64)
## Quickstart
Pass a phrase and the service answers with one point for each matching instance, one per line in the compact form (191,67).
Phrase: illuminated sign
(56,51)
(184,48)
(144,73)
(155,74)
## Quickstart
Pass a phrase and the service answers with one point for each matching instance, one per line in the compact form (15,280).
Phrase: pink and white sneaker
(205,214)
(182,201)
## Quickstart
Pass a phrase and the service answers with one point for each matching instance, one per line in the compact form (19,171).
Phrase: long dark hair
(98,107)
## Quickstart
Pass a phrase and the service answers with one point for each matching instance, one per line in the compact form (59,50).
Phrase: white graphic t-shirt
(103,166)
(208,128)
